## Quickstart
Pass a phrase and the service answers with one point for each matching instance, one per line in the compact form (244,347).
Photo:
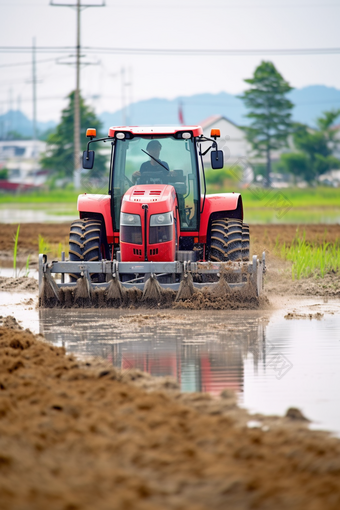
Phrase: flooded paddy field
(281,355)
(152,409)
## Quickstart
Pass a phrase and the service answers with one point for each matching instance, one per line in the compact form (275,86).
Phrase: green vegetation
(44,246)
(27,270)
(269,110)
(315,148)
(15,251)
(3,173)
(310,259)
(59,158)
(56,196)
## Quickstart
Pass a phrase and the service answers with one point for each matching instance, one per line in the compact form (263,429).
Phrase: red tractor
(157,219)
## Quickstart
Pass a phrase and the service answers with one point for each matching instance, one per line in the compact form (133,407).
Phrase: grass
(27,270)
(255,197)
(310,259)
(44,246)
(298,198)
(41,197)
(15,251)
(52,249)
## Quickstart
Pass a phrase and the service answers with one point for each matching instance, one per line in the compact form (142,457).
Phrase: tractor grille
(155,193)
(154,251)
(139,192)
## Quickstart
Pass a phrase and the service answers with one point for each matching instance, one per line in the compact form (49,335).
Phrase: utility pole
(76,136)
(123,97)
(77,168)
(18,123)
(34,89)
(10,117)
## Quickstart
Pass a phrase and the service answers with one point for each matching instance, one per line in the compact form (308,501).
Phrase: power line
(177,51)
(28,63)
(224,6)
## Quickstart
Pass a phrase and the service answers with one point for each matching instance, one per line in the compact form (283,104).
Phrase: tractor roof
(155,130)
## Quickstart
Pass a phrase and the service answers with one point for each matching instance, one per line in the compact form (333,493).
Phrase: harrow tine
(152,289)
(83,290)
(186,288)
(50,290)
(116,292)
(222,288)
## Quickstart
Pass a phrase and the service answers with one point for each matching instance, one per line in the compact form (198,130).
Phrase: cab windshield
(162,160)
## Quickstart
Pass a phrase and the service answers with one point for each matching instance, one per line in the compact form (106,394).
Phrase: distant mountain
(309,103)
(15,120)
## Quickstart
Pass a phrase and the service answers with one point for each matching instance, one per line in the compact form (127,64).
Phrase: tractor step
(142,271)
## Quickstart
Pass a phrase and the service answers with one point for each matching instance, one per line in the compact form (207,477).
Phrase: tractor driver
(152,166)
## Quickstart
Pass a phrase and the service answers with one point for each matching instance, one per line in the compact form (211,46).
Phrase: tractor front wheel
(226,240)
(86,243)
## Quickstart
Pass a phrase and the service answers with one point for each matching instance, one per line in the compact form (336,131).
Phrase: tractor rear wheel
(86,243)
(226,240)
(245,242)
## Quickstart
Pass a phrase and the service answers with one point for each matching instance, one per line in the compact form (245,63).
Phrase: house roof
(206,123)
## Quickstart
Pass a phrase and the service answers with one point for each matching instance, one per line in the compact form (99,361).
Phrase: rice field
(310,259)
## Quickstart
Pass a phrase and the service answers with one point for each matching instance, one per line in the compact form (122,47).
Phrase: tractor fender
(96,206)
(219,205)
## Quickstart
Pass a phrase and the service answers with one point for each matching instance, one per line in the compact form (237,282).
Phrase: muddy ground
(263,237)
(278,280)
(83,435)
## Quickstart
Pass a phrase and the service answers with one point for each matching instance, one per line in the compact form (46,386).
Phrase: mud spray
(219,297)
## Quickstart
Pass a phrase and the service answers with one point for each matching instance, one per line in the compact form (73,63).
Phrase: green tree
(270,111)
(315,156)
(3,174)
(59,158)
(297,163)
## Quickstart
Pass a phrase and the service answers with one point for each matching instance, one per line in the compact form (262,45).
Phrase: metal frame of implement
(256,268)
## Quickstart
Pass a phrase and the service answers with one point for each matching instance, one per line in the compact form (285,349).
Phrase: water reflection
(204,353)
(272,366)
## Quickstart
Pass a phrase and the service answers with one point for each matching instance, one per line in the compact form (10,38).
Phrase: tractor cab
(158,160)
(158,156)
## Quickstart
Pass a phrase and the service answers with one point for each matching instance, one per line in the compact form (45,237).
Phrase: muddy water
(271,362)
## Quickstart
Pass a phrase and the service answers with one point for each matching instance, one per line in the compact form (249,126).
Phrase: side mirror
(216,159)
(88,159)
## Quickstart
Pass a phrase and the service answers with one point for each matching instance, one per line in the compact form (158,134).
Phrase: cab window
(160,160)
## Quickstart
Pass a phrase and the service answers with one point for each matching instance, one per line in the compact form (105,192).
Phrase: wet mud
(20,284)
(220,297)
(84,435)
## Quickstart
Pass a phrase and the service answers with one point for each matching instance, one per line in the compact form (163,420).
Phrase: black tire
(226,240)
(245,242)
(86,243)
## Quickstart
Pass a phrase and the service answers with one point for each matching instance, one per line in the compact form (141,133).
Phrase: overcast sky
(175,24)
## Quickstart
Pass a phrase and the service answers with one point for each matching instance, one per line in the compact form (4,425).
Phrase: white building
(21,158)
(233,142)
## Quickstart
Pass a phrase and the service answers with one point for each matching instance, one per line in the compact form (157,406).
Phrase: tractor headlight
(161,228)
(130,228)
(132,220)
(161,219)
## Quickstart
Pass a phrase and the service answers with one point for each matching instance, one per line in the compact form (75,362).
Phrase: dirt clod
(295,414)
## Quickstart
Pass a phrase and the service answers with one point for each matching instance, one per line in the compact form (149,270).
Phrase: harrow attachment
(108,282)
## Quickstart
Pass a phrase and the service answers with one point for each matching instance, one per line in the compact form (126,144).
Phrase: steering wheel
(149,177)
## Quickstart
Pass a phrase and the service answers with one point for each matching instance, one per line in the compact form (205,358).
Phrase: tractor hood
(160,194)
